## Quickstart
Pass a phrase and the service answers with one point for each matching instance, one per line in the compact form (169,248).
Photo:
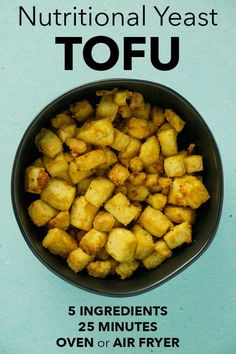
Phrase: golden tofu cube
(78,259)
(59,194)
(120,97)
(125,270)
(83,185)
(99,190)
(48,143)
(76,175)
(36,179)
(137,178)
(107,108)
(178,235)
(131,150)
(82,110)
(118,174)
(99,269)
(61,220)
(120,141)
(157,115)
(78,146)
(174,166)
(59,242)
(188,191)
(56,166)
(104,221)
(150,151)
(93,241)
(160,253)
(157,200)
(125,111)
(174,120)
(137,193)
(120,207)
(61,119)
(180,214)
(110,156)
(165,182)
(97,132)
(90,160)
(135,164)
(121,245)
(154,221)
(145,243)
(41,212)
(137,128)
(193,163)
(66,131)
(83,213)
(168,142)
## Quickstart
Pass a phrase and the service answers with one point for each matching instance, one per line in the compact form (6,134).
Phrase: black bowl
(208,217)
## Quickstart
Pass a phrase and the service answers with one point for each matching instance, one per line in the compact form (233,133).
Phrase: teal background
(201,300)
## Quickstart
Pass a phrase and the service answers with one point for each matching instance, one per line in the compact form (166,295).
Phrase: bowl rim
(120,82)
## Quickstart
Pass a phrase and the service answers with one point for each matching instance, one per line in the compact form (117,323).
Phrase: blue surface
(201,300)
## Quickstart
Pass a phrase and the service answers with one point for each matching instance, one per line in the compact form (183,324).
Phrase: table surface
(201,300)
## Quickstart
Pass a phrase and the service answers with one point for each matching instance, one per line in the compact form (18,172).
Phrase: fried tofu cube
(157,115)
(76,145)
(180,214)
(111,158)
(125,111)
(90,160)
(137,178)
(120,141)
(102,255)
(56,166)
(76,175)
(118,174)
(150,151)
(99,190)
(48,143)
(61,220)
(160,253)
(168,142)
(165,182)
(157,200)
(135,164)
(178,235)
(83,185)
(145,244)
(120,97)
(139,107)
(97,132)
(174,120)
(137,128)
(61,120)
(125,270)
(82,110)
(188,191)
(78,260)
(83,213)
(154,221)
(66,131)
(93,241)
(107,108)
(121,245)
(193,163)
(36,179)
(59,194)
(40,212)
(174,166)
(137,193)
(151,180)
(99,269)
(120,207)
(104,221)
(131,150)
(59,242)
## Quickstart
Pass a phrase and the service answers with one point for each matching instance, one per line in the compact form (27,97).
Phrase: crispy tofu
(76,145)
(59,194)
(174,166)
(145,244)
(160,253)
(120,207)
(168,142)
(61,119)
(193,163)
(121,245)
(36,179)
(120,141)
(90,160)
(93,241)
(56,166)
(77,175)
(125,270)
(178,235)
(99,269)
(79,259)
(150,151)
(97,132)
(137,193)
(82,110)
(174,120)
(104,221)
(40,212)
(188,191)
(61,220)
(157,200)
(83,213)
(179,214)
(137,128)
(154,221)
(99,190)
(66,131)
(118,174)
(48,143)
(59,242)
